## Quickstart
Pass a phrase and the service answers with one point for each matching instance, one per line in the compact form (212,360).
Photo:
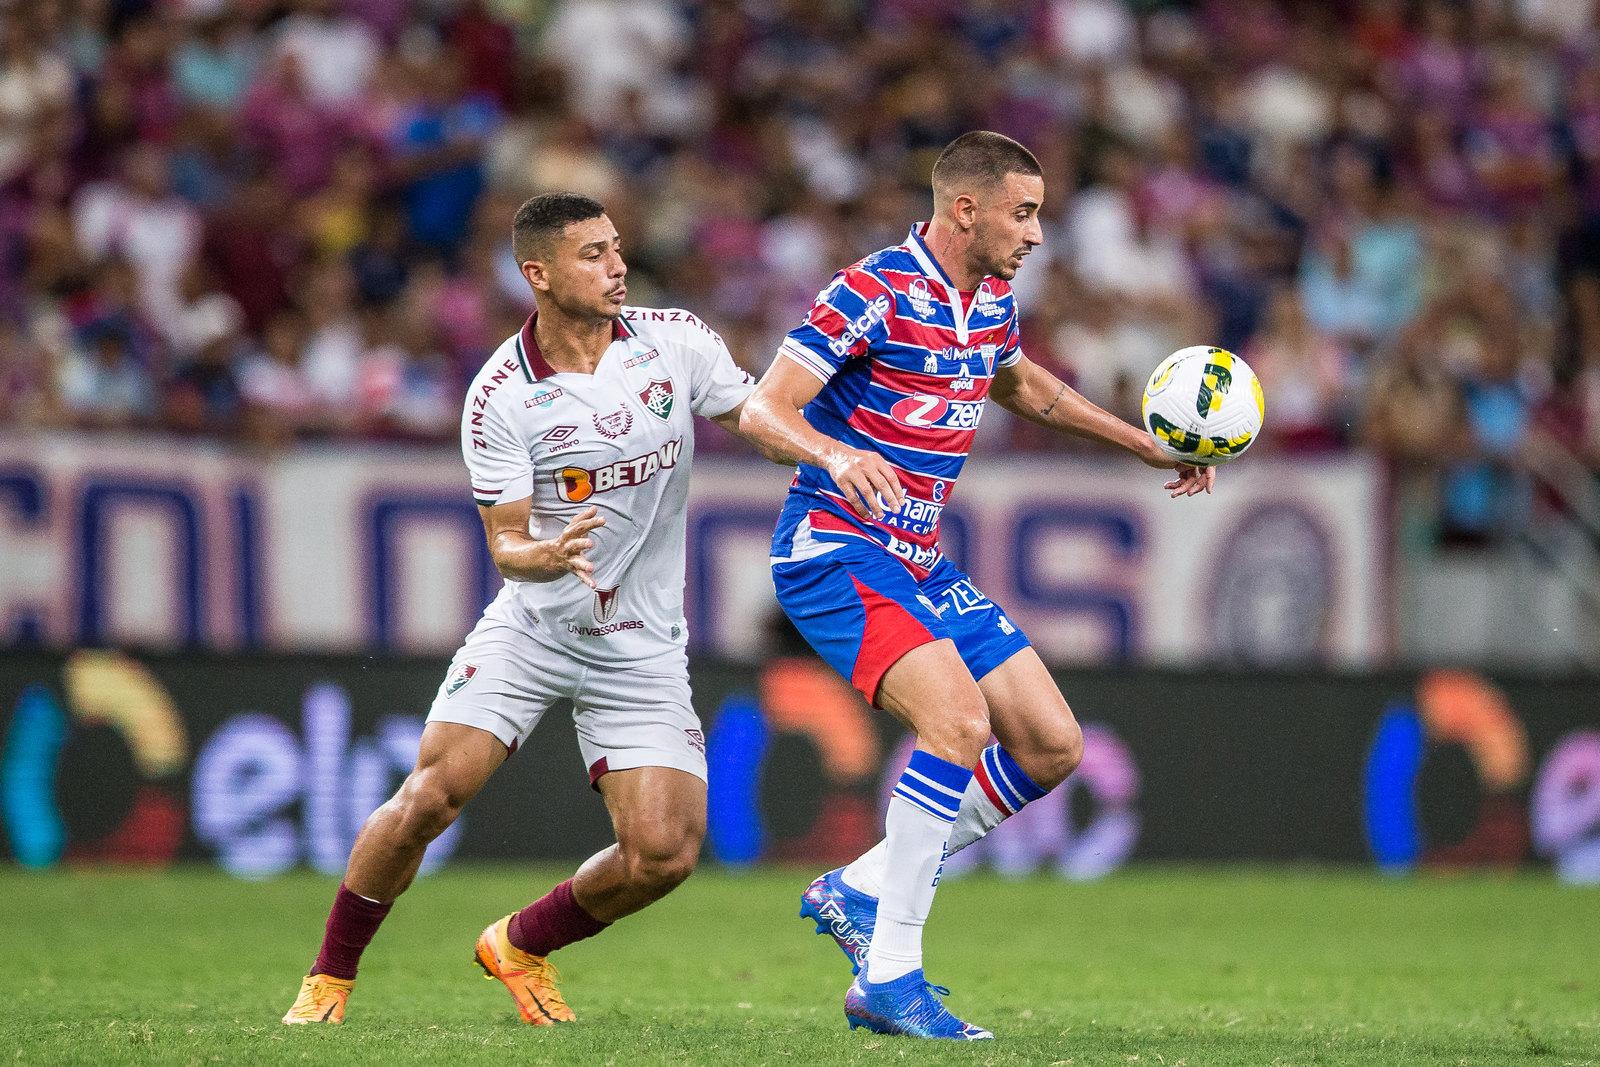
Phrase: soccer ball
(1203,405)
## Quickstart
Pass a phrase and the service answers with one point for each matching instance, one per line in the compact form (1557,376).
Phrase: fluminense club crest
(458,678)
(657,398)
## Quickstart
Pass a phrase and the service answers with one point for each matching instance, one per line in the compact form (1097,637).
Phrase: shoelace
(544,978)
(314,998)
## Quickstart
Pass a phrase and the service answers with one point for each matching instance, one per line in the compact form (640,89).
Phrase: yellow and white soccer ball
(1203,405)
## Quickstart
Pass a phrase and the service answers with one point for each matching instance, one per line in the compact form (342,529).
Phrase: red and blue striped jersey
(906,360)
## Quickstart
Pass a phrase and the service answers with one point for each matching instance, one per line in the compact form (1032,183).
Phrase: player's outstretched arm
(1029,391)
(520,556)
(772,422)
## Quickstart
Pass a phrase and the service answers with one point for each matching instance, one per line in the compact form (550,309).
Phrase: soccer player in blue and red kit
(877,396)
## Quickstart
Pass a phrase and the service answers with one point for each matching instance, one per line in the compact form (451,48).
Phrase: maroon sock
(351,924)
(553,920)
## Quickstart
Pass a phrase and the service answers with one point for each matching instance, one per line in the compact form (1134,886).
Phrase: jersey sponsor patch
(925,410)
(988,304)
(642,358)
(657,398)
(605,604)
(577,484)
(544,397)
(615,424)
(875,313)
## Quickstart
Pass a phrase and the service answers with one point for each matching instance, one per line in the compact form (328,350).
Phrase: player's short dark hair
(545,216)
(980,159)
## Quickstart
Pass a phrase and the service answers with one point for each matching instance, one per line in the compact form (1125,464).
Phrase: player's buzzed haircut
(978,160)
(544,216)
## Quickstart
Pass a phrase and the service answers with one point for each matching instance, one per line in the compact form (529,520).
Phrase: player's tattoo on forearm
(1047,410)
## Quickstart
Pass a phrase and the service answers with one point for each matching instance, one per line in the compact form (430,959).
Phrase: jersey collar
(917,245)
(534,366)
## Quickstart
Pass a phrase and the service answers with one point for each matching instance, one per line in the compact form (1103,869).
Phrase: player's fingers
(580,526)
(898,494)
(1211,478)
(577,546)
(886,491)
(861,489)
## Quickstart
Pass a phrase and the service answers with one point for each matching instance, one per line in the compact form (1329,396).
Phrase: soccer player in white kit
(578,435)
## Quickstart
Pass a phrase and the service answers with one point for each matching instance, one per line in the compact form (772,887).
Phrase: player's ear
(538,277)
(965,210)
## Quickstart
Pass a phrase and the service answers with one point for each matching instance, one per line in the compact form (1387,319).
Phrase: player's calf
(1048,756)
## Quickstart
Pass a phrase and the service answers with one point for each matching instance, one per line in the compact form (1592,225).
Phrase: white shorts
(504,679)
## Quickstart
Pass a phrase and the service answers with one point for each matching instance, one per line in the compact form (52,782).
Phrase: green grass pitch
(1151,967)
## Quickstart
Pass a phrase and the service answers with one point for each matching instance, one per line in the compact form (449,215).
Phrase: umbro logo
(559,433)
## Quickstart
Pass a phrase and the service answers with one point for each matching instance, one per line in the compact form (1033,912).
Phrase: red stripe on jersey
(909,332)
(910,382)
(827,522)
(921,486)
(827,318)
(927,438)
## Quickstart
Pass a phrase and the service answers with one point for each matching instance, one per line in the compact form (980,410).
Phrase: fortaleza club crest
(657,397)
(605,604)
(458,678)
(615,424)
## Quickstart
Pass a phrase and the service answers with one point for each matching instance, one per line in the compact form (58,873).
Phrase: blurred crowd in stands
(287,219)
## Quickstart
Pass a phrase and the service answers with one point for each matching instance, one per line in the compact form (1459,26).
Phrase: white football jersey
(620,439)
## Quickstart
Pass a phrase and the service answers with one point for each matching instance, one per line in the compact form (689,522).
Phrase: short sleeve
(1011,349)
(717,384)
(499,464)
(850,316)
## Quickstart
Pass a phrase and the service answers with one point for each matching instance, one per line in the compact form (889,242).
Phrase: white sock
(921,813)
(978,815)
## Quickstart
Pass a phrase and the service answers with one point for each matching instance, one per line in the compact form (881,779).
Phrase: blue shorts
(861,609)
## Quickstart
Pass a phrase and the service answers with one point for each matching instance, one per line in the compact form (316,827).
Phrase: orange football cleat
(322,999)
(531,979)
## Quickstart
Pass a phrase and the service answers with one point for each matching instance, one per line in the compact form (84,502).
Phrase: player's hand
(870,486)
(1192,480)
(571,543)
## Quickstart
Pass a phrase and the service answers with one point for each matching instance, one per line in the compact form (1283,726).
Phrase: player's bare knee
(658,873)
(661,860)
(958,736)
(427,805)
(1063,755)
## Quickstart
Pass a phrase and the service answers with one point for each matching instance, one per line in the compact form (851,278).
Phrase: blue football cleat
(909,1005)
(844,914)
